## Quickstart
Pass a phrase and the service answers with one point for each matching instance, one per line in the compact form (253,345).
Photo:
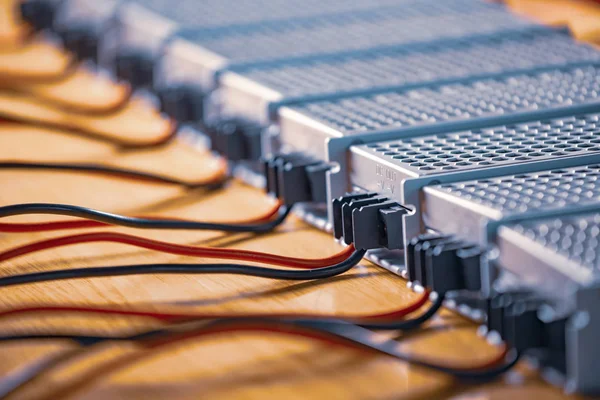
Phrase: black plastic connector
(369,221)
(516,319)
(415,253)
(40,14)
(296,178)
(182,103)
(444,263)
(82,41)
(236,139)
(338,227)
(137,68)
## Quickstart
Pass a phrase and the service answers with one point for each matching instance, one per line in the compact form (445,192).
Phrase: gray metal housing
(475,209)
(507,206)
(327,129)
(198,56)
(256,92)
(559,258)
(406,169)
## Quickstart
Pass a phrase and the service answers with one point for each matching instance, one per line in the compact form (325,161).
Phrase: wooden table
(244,366)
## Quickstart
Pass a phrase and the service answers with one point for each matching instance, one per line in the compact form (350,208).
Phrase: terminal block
(369,221)
(296,178)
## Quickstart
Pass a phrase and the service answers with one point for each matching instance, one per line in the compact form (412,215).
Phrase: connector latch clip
(369,221)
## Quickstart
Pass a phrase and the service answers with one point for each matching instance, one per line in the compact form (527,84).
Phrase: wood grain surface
(232,366)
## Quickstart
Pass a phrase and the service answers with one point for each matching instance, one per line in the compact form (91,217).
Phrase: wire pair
(333,332)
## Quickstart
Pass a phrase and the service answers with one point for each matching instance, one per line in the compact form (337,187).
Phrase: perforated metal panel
(276,41)
(214,13)
(398,109)
(463,151)
(425,63)
(474,209)
(518,194)
(575,238)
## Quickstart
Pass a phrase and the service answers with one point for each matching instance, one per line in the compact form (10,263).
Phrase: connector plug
(137,68)
(236,139)
(415,253)
(182,103)
(443,263)
(82,41)
(515,317)
(369,221)
(296,178)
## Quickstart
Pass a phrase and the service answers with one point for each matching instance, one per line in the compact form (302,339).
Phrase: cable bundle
(339,332)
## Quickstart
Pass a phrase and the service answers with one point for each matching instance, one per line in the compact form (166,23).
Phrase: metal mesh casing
(474,209)
(576,239)
(326,129)
(211,14)
(256,92)
(331,35)
(399,109)
(322,36)
(425,63)
(535,140)
(406,169)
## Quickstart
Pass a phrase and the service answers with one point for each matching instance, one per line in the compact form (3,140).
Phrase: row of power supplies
(457,142)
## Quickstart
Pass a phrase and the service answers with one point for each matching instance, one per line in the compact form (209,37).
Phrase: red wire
(8,227)
(171,248)
(289,329)
(130,359)
(166,316)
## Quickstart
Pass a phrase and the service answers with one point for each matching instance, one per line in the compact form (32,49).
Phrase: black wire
(140,223)
(362,336)
(100,169)
(237,269)
(352,333)
(408,324)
